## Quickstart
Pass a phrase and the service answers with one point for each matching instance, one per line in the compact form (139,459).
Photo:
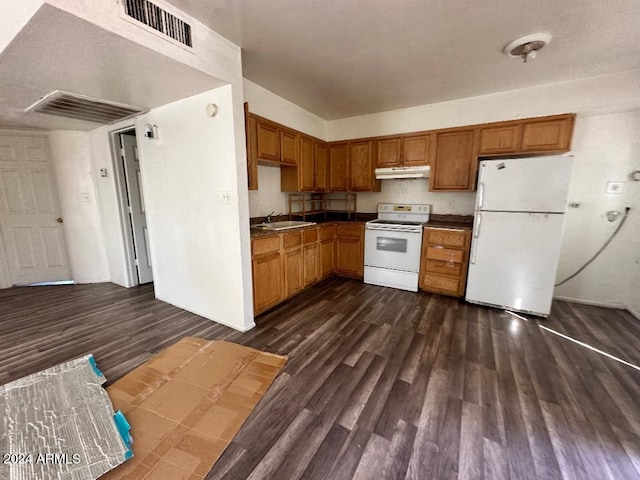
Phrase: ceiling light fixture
(527,47)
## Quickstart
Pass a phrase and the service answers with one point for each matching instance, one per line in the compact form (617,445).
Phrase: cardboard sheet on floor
(186,404)
(59,424)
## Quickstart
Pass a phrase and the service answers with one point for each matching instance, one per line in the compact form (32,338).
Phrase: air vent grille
(159,19)
(80,107)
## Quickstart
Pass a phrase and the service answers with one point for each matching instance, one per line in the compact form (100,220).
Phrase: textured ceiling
(59,51)
(340,58)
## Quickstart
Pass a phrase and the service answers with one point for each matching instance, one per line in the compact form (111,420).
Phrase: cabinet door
(415,150)
(307,168)
(252,161)
(350,256)
(361,168)
(496,140)
(267,281)
(453,165)
(311,263)
(293,269)
(389,151)
(338,160)
(326,258)
(320,167)
(289,146)
(547,135)
(267,141)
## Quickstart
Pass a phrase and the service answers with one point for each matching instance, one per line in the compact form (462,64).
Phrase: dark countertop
(460,222)
(258,232)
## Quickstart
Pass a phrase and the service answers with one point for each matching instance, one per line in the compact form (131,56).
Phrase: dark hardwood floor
(380,383)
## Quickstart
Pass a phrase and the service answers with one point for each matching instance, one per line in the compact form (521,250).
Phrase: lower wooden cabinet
(327,250)
(285,264)
(311,254)
(445,256)
(293,271)
(350,250)
(267,281)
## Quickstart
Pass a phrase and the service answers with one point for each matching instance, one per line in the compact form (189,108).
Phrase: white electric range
(392,245)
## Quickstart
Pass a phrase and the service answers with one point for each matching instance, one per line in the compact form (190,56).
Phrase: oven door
(394,250)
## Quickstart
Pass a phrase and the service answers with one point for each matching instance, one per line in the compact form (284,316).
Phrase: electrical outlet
(225,195)
(614,187)
(450,204)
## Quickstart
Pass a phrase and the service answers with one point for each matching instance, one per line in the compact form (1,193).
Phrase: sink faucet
(269,216)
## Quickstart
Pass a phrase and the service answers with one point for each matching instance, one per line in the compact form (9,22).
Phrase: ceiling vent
(155,17)
(80,107)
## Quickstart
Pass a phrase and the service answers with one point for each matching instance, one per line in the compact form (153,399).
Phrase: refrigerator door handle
(476,234)
(480,195)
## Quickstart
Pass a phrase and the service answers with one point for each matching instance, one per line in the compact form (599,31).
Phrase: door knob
(59,220)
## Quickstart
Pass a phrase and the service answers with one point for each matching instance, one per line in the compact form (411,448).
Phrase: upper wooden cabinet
(321,166)
(534,135)
(309,175)
(252,163)
(548,135)
(361,176)
(454,161)
(415,149)
(289,148)
(338,167)
(389,152)
(406,150)
(267,141)
(497,140)
(307,167)
(309,164)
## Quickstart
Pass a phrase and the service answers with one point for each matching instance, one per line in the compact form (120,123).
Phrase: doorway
(132,205)
(32,239)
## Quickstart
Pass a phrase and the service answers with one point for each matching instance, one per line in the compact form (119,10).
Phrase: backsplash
(268,198)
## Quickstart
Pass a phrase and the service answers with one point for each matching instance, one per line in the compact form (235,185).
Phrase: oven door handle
(391,230)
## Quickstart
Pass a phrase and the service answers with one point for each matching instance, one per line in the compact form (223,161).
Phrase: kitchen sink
(283,225)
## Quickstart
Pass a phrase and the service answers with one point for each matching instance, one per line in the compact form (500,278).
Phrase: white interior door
(538,184)
(514,259)
(133,180)
(30,220)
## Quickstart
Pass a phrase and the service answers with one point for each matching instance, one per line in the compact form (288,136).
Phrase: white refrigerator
(517,234)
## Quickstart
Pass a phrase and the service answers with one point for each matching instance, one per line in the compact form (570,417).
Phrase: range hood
(402,172)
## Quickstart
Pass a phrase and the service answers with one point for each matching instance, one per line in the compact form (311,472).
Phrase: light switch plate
(614,187)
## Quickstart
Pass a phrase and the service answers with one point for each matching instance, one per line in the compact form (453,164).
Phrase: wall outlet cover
(614,187)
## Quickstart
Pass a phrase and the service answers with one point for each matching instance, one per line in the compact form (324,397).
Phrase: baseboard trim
(618,306)
(217,320)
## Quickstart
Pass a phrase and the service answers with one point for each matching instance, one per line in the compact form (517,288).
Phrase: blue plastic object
(124,428)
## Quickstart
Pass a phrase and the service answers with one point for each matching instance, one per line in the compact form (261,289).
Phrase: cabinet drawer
(441,284)
(262,246)
(444,268)
(446,238)
(327,232)
(346,230)
(310,236)
(290,240)
(444,254)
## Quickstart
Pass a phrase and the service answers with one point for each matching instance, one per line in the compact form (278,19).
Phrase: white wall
(268,198)
(417,191)
(607,148)
(199,246)
(71,159)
